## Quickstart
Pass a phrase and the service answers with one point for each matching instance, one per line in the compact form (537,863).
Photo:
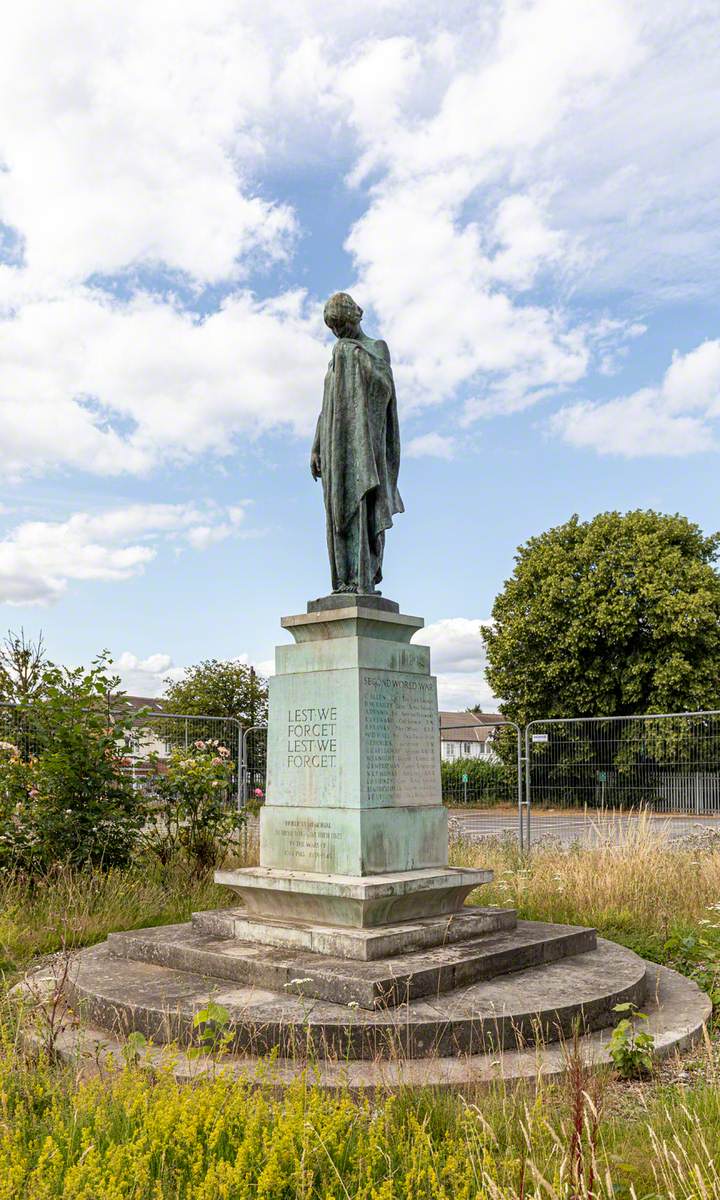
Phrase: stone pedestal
(353,834)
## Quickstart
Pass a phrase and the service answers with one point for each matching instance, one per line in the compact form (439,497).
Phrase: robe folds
(358,441)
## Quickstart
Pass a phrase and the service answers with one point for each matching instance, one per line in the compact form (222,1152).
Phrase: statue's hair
(341,304)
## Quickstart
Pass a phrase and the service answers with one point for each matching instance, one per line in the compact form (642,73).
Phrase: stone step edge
(430,1037)
(678,1013)
(333,980)
(358,944)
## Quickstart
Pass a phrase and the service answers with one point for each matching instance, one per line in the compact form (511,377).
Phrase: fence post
(518,738)
(528,786)
(239,793)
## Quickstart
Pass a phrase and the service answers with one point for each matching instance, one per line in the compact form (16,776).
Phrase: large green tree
(613,616)
(220,689)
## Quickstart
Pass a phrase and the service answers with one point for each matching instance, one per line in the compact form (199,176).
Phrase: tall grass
(635,887)
(72,908)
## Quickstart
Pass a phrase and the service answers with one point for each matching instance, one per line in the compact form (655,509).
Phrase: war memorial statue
(351,940)
(356,451)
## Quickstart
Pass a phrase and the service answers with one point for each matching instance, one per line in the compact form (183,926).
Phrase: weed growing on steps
(630,1048)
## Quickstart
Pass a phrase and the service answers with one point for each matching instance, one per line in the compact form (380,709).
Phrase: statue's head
(342,315)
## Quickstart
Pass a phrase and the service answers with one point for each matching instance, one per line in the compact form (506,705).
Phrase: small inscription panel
(400,722)
(303,837)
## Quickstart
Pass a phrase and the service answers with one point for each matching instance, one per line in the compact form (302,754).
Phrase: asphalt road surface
(573,828)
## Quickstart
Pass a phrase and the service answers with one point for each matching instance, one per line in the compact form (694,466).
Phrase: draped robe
(358,441)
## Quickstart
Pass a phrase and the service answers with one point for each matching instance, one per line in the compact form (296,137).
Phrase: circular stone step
(677,1012)
(541,1003)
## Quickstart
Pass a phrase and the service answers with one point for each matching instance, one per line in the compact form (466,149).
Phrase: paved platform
(542,1002)
(676,1008)
(507,945)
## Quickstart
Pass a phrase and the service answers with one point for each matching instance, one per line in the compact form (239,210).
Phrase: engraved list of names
(399,716)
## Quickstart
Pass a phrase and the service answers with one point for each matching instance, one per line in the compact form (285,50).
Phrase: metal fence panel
(254,766)
(589,777)
(153,737)
(482,781)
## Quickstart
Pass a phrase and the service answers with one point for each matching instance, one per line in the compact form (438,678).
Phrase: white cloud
(457,657)
(145,676)
(113,388)
(444,263)
(150,676)
(681,416)
(431,445)
(39,558)
(118,126)
(512,153)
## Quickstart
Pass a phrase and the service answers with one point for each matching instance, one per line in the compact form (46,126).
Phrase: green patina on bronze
(356,450)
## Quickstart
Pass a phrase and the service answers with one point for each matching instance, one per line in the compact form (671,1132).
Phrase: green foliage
(69,801)
(612,616)
(191,809)
(22,666)
(631,1051)
(211,1025)
(136,1134)
(220,689)
(488,783)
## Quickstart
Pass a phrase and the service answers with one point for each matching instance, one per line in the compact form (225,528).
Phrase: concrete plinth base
(676,1008)
(209,946)
(347,903)
(360,945)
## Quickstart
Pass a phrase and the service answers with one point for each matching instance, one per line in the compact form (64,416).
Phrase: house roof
(152,702)
(468,727)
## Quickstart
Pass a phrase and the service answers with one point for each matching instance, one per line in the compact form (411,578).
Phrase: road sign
(464,778)
(602,776)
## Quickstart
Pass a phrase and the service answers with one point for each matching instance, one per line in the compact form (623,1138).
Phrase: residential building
(468,735)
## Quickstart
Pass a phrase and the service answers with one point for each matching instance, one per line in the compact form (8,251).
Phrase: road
(573,828)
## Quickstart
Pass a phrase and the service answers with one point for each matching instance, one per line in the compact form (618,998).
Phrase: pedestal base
(210,947)
(359,945)
(354,901)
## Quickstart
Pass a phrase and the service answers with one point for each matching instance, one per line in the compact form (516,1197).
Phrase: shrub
(488,783)
(192,811)
(70,801)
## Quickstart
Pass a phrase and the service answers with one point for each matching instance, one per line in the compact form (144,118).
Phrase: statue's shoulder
(382,349)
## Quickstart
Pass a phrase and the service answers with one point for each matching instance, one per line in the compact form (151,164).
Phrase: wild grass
(658,897)
(140,1135)
(71,908)
(129,1135)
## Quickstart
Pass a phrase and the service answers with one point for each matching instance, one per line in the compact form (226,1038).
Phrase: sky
(523,196)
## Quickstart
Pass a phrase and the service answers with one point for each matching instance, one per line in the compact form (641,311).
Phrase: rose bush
(191,810)
(64,797)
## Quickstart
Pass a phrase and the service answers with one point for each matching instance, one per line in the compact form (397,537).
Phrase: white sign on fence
(540,737)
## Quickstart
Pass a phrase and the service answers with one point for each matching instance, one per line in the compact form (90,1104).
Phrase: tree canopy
(220,689)
(613,616)
(23,663)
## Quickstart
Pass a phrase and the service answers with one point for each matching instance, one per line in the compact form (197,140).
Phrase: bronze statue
(357,450)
